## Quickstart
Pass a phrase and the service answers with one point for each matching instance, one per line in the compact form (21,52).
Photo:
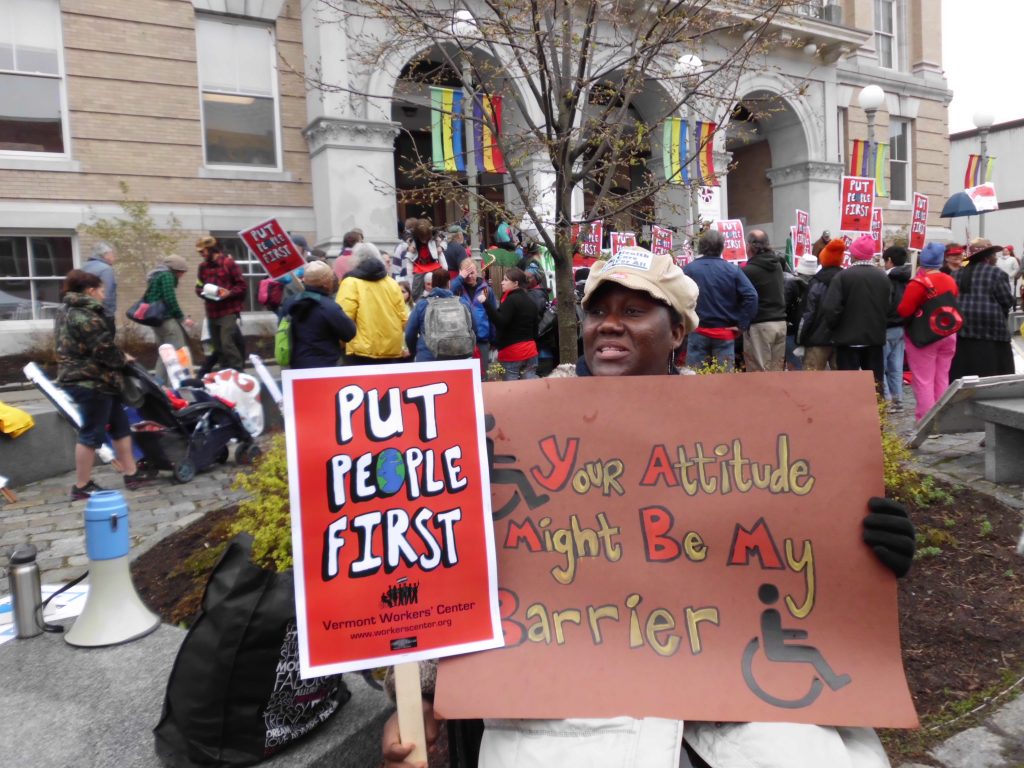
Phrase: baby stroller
(183,440)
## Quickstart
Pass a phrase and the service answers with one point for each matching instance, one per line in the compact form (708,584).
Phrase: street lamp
(983,121)
(464,29)
(871,97)
(690,67)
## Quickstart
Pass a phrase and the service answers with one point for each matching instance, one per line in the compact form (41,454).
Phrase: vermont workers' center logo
(401,593)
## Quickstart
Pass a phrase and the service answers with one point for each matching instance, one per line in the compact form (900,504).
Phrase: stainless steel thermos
(26,594)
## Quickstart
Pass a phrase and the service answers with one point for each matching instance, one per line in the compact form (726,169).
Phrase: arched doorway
(765,137)
(420,192)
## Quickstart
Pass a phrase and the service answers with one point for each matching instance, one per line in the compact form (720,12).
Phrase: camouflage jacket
(86,353)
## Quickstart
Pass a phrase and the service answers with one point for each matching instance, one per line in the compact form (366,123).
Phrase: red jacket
(221,270)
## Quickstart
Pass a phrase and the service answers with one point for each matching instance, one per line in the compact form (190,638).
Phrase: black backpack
(938,317)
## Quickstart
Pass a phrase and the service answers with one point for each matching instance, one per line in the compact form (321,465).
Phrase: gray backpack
(448,328)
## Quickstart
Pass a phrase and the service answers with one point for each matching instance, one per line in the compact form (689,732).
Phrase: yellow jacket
(375,302)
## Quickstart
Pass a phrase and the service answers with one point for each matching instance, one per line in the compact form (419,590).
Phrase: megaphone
(113,612)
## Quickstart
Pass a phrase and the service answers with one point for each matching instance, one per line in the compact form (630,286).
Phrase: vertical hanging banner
(705,135)
(681,567)
(273,247)
(735,247)
(448,145)
(919,223)
(661,239)
(588,238)
(856,203)
(392,536)
(876,230)
(802,238)
(975,174)
(486,129)
(673,150)
(622,240)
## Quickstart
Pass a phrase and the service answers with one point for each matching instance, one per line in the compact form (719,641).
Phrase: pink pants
(930,368)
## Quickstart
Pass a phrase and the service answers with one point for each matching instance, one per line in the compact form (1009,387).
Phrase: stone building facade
(206,109)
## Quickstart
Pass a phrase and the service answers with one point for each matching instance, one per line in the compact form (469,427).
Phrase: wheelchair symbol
(778,649)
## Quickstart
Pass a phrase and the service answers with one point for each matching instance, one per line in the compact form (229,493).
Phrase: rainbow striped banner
(704,134)
(673,150)
(487,113)
(448,150)
(869,160)
(973,176)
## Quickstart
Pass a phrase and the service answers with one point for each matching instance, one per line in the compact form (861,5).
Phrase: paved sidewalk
(999,741)
(44,516)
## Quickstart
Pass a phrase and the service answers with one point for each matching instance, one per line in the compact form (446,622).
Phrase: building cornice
(267,10)
(339,133)
(800,173)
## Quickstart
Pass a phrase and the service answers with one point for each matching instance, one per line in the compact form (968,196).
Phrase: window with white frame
(31,77)
(887,33)
(32,268)
(238,85)
(252,270)
(899,160)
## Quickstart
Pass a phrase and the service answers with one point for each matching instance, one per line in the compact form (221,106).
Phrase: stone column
(353,171)
(810,186)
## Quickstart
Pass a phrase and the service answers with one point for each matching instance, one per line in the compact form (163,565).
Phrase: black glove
(889,532)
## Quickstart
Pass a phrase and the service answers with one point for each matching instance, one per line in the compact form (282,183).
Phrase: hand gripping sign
(273,247)
(705,564)
(391,525)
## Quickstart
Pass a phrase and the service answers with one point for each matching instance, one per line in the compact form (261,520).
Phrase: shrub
(902,482)
(266,514)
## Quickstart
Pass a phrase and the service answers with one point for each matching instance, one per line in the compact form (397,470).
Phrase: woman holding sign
(639,307)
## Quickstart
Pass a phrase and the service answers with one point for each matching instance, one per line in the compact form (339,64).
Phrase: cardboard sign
(590,242)
(273,247)
(622,240)
(391,525)
(691,562)
(876,229)
(661,239)
(919,222)
(856,203)
(802,240)
(709,203)
(735,248)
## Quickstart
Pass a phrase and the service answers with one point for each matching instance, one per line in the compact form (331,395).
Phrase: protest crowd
(841,307)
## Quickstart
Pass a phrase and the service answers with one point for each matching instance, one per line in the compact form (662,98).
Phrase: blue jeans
(525,369)
(702,349)
(893,355)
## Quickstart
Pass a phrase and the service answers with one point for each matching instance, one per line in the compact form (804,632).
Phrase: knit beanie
(832,254)
(932,256)
(863,248)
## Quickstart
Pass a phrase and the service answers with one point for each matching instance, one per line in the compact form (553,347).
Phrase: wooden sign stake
(409,698)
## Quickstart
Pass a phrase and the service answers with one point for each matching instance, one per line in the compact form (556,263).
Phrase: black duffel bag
(235,696)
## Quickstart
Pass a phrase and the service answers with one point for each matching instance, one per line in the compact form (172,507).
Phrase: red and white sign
(802,238)
(735,248)
(919,223)
(856,203)
(847,241)
(984,197)
(392,534)
(876,229)
(661,239)
(274,249)
(622,240)
(590,243)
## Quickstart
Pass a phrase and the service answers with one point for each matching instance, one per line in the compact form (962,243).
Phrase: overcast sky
(981,53)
